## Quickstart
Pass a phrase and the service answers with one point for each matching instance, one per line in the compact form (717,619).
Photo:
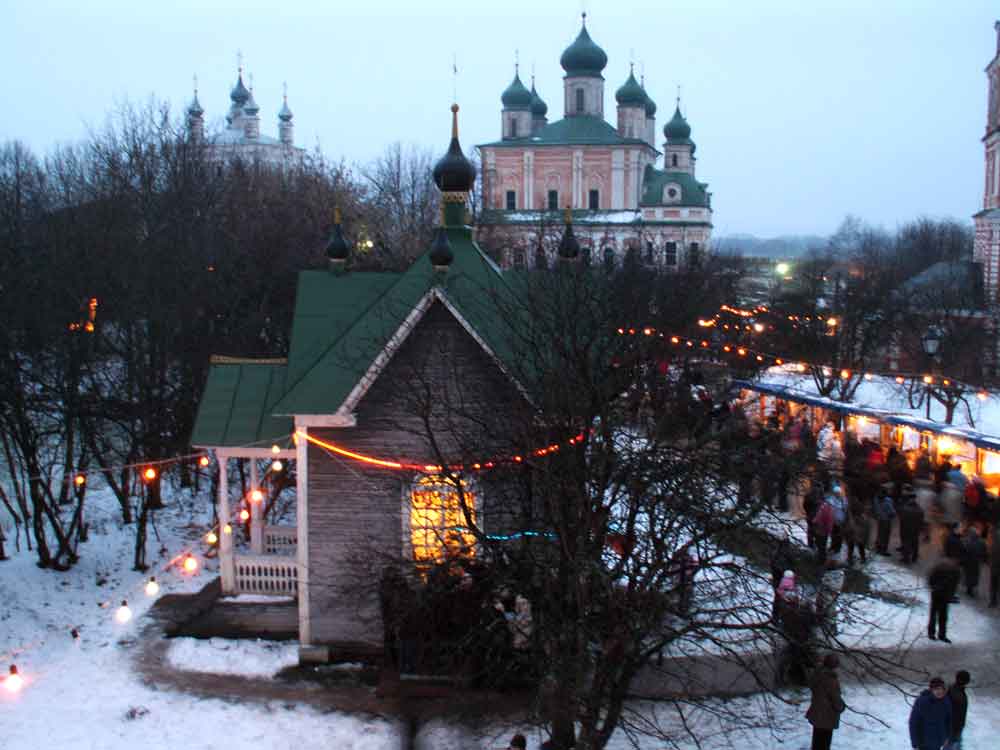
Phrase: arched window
(694,254)
(579,100)
(513,127)
(673,160)
(649,251)
(439,527)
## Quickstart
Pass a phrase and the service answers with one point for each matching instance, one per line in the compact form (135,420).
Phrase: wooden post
(256,514)
(227,566)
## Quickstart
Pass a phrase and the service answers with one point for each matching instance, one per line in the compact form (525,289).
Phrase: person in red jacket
(822,525)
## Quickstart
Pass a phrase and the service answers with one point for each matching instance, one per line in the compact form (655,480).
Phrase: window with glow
(438,526)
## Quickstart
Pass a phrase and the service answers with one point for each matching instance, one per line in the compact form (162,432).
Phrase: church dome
(454,173)
(195,108)
(251,107)
(583,57)
(239,94)
(337,248)
(516,96)
(631,94)
(538,107)
(677,130)
(650,106)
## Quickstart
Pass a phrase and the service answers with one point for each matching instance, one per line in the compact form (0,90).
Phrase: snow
(883,393)
(225,656)
(875,717)
(86,693)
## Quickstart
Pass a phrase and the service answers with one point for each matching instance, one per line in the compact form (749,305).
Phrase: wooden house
(387,373)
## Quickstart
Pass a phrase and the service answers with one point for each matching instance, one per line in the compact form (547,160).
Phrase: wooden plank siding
(355,511)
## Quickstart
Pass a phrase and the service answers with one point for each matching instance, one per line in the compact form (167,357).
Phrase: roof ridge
(222,359)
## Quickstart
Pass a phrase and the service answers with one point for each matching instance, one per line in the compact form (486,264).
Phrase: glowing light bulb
(79,480)
(845,374)
(152,587)
(149,474)
(275,449)
(256,496)
(190,564)
(123,614)
(981,396)
(211,537)
(928,379)
(244,515)
(203,461)
(758,327)
(14,682)
(831,322)
(227,529)
(277,466)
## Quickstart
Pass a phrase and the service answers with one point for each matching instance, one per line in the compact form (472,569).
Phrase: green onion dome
(239,94)
(677,130)
(337,248)
(251,107)
(195,109)
(516,96)
(454,173)
(650,106)
(631,94)
(538,107)
(583,57)
(441,255)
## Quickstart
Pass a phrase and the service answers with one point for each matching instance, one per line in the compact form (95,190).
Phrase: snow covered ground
(85,693)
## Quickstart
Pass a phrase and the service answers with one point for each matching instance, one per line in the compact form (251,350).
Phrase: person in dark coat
(899,472)
(953,543)
(857,529)
(810,504)
(959,708)
(943,581)
(911,521)
(973,557)
(827,703)
(930,717)
(885,511)
(994,569)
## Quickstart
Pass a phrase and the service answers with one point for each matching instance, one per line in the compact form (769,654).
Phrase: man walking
(959,708)
(827,704)
(930,718)
(943,581)
(911,521)
(885,511)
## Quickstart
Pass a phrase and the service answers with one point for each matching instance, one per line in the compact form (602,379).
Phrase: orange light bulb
(244,515)
(149,474)
(13,682)
(203,461)
(190,564)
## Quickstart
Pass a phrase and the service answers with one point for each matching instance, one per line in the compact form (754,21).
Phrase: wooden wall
(439,376)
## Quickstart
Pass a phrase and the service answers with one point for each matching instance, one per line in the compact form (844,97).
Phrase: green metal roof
(693,193)
(583,57)
(343,322)
(580,130)
(631,93)
(236,407)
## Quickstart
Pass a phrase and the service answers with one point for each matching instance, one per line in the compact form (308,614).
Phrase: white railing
(259,574)
(281,540)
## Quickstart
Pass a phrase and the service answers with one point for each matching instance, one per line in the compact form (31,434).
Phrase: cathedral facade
(606,176)
(987,242)
(242,138)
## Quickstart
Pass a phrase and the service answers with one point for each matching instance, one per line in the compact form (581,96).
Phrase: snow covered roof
(883,399)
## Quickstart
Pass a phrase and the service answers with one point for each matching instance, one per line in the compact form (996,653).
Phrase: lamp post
(931,343)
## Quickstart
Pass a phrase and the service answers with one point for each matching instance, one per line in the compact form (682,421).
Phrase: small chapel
(605,173)
(364,408)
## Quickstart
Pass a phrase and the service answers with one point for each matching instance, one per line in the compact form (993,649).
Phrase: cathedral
(581,168)
(241,137)
(987,242)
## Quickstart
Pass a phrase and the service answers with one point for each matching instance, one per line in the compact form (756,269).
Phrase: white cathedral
(241,138)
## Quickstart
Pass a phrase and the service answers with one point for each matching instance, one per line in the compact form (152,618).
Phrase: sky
(803,112)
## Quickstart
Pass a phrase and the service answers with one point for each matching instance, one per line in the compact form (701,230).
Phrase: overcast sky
(803,110)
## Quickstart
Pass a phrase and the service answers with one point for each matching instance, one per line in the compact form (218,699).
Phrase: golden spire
(336,214)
